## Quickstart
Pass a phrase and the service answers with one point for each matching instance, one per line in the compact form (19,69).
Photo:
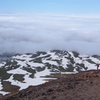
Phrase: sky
(43,25)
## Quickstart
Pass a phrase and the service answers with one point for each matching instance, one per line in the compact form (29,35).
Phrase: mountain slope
(81,86)
(21,70)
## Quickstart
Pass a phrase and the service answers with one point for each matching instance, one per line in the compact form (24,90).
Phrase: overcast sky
(35,25)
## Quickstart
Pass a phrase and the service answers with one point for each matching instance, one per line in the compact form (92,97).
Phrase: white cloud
(35,32)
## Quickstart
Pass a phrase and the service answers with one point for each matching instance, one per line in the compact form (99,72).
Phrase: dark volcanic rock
(81,86)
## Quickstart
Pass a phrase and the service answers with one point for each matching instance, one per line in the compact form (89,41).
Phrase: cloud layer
(22,33)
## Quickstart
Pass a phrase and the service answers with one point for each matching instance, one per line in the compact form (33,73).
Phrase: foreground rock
(81,86)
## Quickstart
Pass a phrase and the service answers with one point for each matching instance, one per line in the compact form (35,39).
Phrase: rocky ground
(81,86)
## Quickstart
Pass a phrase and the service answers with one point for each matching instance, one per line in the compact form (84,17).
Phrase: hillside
(81,86)
(19,71)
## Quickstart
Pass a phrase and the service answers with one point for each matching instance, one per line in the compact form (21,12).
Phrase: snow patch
(18,71)
(30,81)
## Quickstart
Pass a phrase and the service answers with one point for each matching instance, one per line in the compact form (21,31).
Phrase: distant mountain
(19,69)
(5,56)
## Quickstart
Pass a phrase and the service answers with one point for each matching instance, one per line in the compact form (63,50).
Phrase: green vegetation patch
(48,65)
(76,54)
(62,69)
(78,68)
(3,74)
(81,66)
(70,68)
(71,60)
(38,60)
(39,69)
(30,71)
(18,77)
(11,65)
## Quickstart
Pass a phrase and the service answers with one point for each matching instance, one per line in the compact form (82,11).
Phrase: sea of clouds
(21,33)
